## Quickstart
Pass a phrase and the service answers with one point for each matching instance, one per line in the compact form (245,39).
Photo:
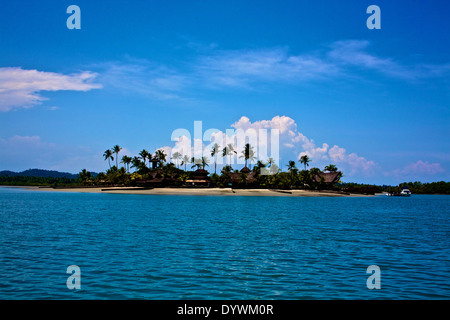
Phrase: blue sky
(374,102)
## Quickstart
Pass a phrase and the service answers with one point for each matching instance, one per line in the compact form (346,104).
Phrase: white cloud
(359,164)
(355,53)
(243,69)
(293,139)
(337,154)
(143,77)
(291,143)
(21,88)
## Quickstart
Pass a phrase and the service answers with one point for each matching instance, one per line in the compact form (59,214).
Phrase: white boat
(405,192)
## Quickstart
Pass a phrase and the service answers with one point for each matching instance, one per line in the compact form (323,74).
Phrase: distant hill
(40,173)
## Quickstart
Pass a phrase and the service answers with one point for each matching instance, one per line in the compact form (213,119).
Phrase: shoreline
(198,191)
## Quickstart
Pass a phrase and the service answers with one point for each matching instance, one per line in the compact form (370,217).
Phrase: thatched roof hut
(199,177)
(327,177)
(236,177)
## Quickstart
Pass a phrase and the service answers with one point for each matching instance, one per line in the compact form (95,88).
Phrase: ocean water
(213,247)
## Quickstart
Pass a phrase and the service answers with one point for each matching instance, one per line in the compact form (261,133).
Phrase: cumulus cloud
(292,139)
(21,88)
(290,142)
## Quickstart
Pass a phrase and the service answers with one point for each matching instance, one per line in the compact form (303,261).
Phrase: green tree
(177,156)
(243,178)
(305,160)
(224,154)
(137,164)
(126,160)
(214,152)
(226,169)
(315,174)
(229,150)
(185,161)
(330,168)
(259,166)
(84,176)
(144,154)
(246,153)
(196,163)
(292,168)
(274,169)
(205,162)
(160,156)
(108,156)
(116,149)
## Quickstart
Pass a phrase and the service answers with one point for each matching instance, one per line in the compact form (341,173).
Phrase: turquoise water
(212,247)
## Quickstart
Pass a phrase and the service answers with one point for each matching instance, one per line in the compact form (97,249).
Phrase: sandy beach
(202,192)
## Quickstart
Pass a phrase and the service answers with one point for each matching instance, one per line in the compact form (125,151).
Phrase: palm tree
(84,176)
(137,163)
(126,160)
(305,160)
(251,157)
(205,162)
(160,156)
(330,168)
(291,166)
(228,150)
(195,163)
(246,152)
(293,170)
(258,166)
(116,149)
(108,156)
(214,152)
(224,154)
(176,156)
(270,162)
(144,155)
(185,161)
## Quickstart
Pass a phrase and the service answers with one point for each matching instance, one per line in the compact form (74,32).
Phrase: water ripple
(177,247)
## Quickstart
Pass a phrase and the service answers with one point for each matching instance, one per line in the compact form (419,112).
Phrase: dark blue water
(212,247)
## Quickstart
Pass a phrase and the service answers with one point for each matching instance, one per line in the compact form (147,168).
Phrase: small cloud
(20,89)
(354,53)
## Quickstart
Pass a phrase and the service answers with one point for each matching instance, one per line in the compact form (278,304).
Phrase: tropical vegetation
(131,171)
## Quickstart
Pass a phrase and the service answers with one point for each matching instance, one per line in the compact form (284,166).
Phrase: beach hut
(329,178)
(199,178)
(237,177)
